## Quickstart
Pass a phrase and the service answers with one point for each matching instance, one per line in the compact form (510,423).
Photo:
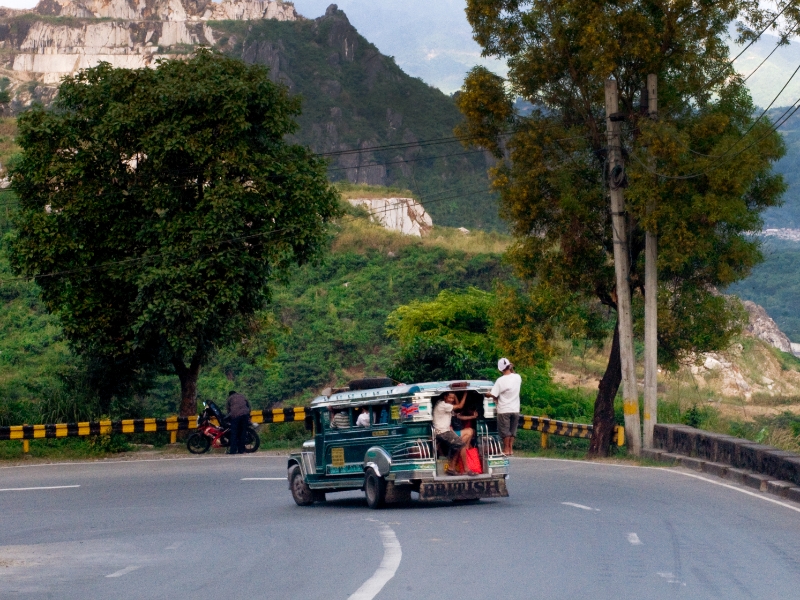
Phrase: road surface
(226,527)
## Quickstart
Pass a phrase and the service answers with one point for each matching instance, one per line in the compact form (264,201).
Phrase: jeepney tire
(374,489)
(198,443)
(302,494)
(252,440)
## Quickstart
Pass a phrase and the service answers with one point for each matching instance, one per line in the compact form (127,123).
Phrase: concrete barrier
(719,451)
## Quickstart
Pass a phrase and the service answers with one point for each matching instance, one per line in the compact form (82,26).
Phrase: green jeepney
(395,452)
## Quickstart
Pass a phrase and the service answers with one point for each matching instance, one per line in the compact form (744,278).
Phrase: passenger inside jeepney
(455,446)
(381,413)
(340,418)
(463,421)
(363,418)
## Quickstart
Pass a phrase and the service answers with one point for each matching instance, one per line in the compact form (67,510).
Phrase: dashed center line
(581,506)
(44,487)
(634,539)
(263,478)
(124,571)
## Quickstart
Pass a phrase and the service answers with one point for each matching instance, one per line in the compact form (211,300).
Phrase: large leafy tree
(705,164)
(158,206)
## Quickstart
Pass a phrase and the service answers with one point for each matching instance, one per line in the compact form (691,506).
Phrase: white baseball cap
(503,364)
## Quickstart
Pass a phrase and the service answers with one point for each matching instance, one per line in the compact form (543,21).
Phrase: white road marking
(263,478)
(670,578)
(124,571)
(634,539)
(760,496)
(392,554)
(731,487)
(174,546)
(581,506)
(133,461)
(47,487)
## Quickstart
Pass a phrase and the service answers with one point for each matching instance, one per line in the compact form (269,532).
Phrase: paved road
(193,528)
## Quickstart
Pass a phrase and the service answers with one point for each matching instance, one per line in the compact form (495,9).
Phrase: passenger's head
(450,397)
(364,409)
(505,366)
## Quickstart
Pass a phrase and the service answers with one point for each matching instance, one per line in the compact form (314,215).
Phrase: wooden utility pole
(651,298)
(619,226)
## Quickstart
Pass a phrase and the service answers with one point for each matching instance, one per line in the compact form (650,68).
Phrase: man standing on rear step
(506,394)
(239,416)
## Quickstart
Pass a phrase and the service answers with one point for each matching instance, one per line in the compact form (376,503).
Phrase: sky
(432,40)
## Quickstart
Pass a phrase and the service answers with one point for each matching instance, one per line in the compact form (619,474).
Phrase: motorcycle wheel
(251,440)
(198,443)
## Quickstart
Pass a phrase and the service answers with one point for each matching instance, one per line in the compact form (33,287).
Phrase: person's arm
(460,404)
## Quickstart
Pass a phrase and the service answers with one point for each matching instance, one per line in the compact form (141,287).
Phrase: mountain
(373,121)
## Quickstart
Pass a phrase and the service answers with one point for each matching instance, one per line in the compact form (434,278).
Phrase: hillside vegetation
(325,326)
(354,97)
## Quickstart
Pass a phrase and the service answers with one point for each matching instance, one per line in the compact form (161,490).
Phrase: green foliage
(458,316)
(169,203)
(361,98)
(692,417)
(430,358)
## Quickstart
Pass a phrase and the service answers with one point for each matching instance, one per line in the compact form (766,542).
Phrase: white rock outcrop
(132,34)
(764,328)
(404,215)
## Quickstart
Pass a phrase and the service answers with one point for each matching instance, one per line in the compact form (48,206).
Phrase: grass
(356,234)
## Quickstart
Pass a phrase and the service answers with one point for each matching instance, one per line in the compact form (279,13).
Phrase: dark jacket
(237,405)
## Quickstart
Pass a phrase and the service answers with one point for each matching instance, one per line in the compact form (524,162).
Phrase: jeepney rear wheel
(374,489)
(302,494)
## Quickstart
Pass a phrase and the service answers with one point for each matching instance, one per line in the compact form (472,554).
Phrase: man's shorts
(507,424)
(454,443)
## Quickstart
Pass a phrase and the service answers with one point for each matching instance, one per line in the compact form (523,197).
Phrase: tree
(158,206)
(447,338)
(711,175)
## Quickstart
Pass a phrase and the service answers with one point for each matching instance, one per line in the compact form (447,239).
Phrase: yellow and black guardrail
(171,424)
(549,427)
(25,433)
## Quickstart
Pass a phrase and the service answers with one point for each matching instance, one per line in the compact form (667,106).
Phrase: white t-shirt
(442,414)
(363,420)
(506,390)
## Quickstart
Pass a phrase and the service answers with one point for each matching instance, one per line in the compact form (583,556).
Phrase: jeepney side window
(317,422)
(380,414)
(325,416)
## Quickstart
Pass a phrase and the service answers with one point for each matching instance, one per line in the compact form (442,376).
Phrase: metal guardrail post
(545,440)
(26,446)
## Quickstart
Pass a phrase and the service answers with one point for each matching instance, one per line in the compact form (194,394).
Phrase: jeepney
(397,452)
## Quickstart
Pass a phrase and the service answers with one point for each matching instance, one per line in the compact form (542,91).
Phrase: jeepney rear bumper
(462,488)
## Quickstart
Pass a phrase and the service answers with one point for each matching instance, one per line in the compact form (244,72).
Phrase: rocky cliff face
(59,37)
(404,215)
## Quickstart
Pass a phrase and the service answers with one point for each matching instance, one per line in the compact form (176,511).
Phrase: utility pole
(619,226)
(651,298)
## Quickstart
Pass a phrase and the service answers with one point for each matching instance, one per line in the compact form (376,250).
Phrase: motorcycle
(210,436)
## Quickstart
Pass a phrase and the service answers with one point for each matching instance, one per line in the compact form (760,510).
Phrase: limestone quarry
(58,37)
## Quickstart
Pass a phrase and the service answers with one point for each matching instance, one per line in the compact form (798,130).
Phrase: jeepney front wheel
(374,489)
(302,494)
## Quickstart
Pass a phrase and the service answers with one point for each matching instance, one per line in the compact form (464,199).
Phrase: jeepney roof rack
(346,396)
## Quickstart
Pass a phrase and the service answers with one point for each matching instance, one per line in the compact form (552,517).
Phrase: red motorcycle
(210,436)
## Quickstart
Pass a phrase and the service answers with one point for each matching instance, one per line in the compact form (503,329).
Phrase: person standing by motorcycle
(239,416)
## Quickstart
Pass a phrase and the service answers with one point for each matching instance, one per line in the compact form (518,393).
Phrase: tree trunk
(188,376)
(603,422)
